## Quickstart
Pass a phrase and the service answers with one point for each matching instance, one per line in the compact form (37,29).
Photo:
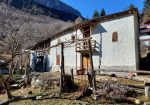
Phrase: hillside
(53,8)
(32,29)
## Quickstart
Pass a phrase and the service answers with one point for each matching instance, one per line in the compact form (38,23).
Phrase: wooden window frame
(57,59)
(73,37)
(115,37)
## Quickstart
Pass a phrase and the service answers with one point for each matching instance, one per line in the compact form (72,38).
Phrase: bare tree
(16,35)
(20,30)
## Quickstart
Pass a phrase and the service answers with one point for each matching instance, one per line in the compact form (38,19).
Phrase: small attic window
(114,37)
(58,41)
(57,59)
(73,38)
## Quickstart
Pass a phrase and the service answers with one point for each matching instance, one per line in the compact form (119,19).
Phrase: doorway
(86,62)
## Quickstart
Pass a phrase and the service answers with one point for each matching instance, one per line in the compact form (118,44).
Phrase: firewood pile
(113,90)
(44,80)
(42,83)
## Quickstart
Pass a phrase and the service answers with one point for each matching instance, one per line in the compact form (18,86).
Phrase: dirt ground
(68,97)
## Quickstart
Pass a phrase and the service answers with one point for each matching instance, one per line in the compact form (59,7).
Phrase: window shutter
(114,37)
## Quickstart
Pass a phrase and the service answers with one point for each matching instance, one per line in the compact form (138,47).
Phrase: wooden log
(135,86)
(147,89)
(123,71)
(134,101)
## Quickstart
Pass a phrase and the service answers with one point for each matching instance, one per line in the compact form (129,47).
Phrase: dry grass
(121,80)
(69,96)
(23,91)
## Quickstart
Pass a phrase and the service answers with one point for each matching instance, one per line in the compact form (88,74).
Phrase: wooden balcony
(82,46)
(40,53)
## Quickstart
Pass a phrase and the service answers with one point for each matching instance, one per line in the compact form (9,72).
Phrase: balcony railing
(84,46)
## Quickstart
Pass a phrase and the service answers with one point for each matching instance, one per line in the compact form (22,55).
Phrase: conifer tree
(146,10)
(95,14)
(131,7)
(103,13)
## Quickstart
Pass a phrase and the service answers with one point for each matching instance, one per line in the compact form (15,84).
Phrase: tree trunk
(6,86)
(11,69)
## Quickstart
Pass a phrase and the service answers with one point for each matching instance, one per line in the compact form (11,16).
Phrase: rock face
(52,8)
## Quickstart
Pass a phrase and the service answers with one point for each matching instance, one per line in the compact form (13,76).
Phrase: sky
(87,7)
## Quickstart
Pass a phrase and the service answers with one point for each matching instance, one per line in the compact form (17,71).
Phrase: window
(57,59)
(73,38)
(58,41)
(114,37)
(86,32)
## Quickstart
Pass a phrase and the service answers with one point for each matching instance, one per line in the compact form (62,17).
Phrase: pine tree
(95,14)
(103,13)
(146,10)
(131,7)
(146,4)
(86,19)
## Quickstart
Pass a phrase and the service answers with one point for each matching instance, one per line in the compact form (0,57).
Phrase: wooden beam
(125,71)
(92,67)
(63,80)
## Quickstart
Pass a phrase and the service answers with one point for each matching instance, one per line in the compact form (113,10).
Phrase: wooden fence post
(27,73)
(72,76)
(92,67)
(147,89)
(63,81)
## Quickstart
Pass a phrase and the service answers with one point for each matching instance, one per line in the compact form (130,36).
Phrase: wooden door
(86,62)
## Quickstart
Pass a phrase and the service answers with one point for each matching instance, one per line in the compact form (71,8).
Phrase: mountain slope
(35,27)
(52,8)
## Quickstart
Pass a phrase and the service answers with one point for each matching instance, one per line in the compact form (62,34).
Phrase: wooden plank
(124,71)
(147,89)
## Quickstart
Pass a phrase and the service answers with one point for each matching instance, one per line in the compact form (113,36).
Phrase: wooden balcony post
(63,80)
(147,89)
(92,67)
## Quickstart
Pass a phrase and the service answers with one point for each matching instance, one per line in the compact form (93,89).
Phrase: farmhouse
(145,35)
(114,41)
(145,45)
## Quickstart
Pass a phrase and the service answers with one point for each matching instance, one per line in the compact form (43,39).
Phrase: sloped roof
(92,22)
